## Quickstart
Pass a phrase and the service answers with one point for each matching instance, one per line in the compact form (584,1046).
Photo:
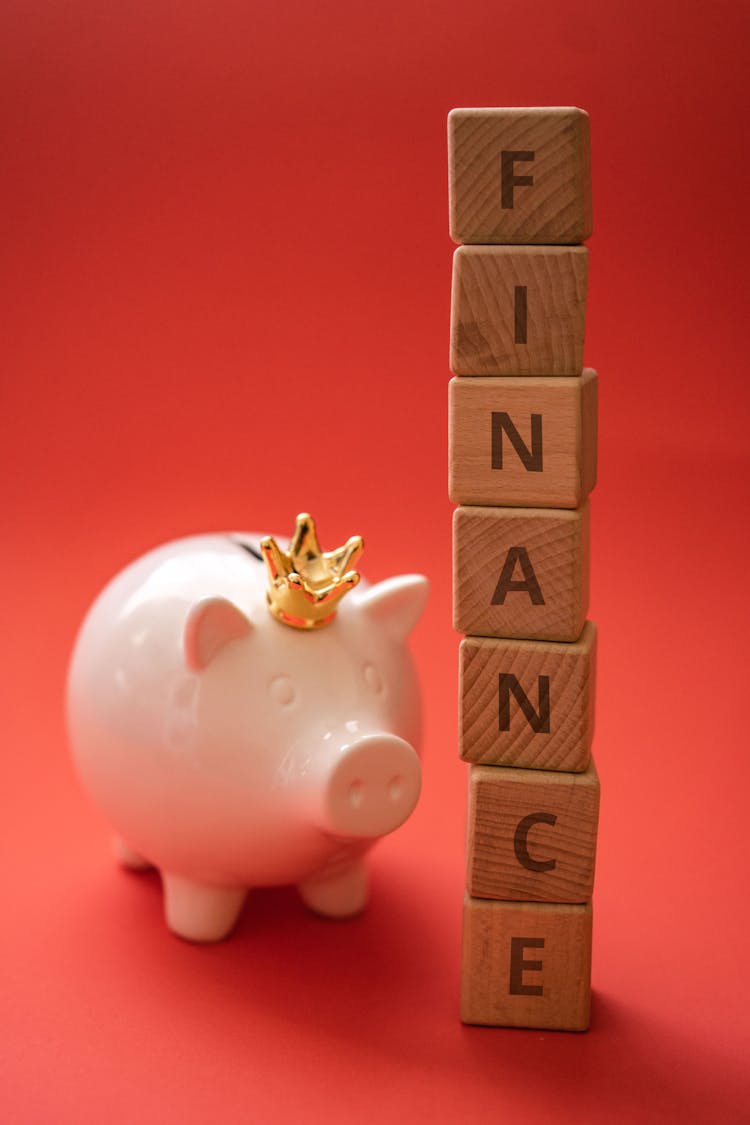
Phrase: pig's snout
(372,787)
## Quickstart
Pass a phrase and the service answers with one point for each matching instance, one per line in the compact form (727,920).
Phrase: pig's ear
(397,603)
(211,624)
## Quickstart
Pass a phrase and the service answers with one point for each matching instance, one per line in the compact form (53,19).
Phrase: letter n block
(521,572)
(518,310)
(519,176)
(528,704)
(527,442)
(532,834)
(526,964)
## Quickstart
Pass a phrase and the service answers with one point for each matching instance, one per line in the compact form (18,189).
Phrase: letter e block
(526,964)
(522,442)
(518,310)
(527,703)
(532,834)
(519,176)
(521,572)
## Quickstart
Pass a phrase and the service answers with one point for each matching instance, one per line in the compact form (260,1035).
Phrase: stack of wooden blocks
(522,463)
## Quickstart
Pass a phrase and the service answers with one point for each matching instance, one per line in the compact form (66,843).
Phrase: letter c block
(532,834)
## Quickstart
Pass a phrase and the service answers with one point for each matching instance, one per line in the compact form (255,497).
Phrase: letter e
(517,966)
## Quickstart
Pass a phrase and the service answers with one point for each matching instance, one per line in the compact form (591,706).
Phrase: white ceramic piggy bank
(243,725)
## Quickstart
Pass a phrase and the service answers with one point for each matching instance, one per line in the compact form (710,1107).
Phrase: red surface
(226,290)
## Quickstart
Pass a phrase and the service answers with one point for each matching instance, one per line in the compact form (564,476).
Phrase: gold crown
(306,584)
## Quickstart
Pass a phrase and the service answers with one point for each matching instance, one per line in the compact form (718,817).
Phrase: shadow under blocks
(522,462)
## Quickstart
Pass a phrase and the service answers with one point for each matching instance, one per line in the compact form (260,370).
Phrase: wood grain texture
(484,467)
(487,335)
(493,729)
(542,552)
(555,208)
(532,834)
(498,989)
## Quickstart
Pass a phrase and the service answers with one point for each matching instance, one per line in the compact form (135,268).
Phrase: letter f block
(519,176)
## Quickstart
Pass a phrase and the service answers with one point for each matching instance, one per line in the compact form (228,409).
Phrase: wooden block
(519,175)
(532,834)
(518,310)
(528,442)
(527,703)
(526,964)
(521,572)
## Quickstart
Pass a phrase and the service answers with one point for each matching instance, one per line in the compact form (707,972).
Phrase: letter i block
(521,572)
(526,442)
(527,703)
(526,964)
(532,834)
(518,310)
(519,176)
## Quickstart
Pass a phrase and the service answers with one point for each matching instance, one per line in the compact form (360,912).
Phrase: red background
(226,277)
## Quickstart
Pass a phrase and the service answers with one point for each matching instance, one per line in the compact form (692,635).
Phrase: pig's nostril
(356,793)
(396,787)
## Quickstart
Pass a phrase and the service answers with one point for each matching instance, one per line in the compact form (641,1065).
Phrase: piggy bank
(244,716)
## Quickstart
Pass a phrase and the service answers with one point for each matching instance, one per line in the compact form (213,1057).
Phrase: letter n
(537,720)
(531,459)
(506,583)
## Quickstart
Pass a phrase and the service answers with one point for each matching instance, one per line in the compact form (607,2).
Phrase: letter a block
(521,572)
(526,964)
(518,310)
(532,834)
(519,176)
(527,703)
(526,442)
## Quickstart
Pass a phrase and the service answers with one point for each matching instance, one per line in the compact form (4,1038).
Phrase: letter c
(521,842)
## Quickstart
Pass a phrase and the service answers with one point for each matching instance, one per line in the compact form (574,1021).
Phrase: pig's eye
(281,690)
(372,678)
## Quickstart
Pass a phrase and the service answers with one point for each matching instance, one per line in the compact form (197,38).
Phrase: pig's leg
(198,912)
(125,855)
(337,894)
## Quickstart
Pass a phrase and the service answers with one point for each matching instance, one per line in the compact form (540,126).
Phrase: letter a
(506,583)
